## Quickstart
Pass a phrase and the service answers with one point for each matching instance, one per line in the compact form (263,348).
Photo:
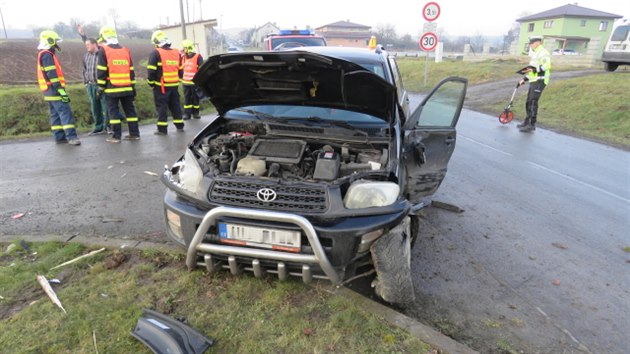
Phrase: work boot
(74,141)
(157,132)
(113,140)
(61,141)
(527,128)
(525,122)
(131,137)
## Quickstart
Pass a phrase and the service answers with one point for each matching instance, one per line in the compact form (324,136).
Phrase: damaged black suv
(314,167)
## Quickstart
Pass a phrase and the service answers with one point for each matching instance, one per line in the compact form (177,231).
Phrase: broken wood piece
(151,173)
(106,220)
(78,258)
(50,292)
(94,338)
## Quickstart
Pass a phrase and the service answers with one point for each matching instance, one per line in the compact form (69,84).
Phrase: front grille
(309,199)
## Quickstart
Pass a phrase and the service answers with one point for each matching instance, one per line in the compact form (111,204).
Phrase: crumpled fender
(165,335)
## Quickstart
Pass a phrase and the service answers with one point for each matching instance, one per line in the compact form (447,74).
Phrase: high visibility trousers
(130,113)
(191,101)
(61,120)
(169,100)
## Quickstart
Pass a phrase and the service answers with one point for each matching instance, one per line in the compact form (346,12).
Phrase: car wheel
(391,255)
(610,66)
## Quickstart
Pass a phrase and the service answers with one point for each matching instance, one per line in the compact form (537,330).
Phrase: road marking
(581,182)
(486,146)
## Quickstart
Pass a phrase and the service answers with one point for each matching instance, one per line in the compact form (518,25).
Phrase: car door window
(443,107)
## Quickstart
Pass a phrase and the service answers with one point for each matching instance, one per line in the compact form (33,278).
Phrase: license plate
(277,239)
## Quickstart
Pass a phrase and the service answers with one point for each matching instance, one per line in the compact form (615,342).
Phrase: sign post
(429,40)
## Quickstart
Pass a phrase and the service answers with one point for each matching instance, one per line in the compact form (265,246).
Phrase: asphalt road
(535,263)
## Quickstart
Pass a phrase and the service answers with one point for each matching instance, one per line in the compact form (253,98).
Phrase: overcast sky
(458,17)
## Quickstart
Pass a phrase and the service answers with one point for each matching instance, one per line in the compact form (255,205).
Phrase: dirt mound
(18,60)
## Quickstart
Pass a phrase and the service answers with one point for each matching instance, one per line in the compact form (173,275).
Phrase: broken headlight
(366,194)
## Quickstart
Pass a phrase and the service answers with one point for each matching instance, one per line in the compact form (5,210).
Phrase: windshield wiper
(257,114)
(337,123)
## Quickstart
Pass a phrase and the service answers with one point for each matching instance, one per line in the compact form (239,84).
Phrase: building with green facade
(567,27)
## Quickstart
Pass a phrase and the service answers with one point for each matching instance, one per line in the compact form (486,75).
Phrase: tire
(610,66)
(391,255)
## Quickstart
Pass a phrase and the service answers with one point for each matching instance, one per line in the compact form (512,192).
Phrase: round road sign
(428,41)
(431,11)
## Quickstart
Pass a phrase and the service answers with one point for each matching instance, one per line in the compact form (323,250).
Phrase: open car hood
(296,78)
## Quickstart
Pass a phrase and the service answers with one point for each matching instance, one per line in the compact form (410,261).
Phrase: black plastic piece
(165,335)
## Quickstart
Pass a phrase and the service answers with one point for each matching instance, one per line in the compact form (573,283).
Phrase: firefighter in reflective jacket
(116,79)
(191,62)
(164,72)
(53,84)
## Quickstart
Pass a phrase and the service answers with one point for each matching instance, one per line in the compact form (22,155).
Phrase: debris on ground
(17,216)
(308,331)
(106,220)
(555,282)
(50,292)
(561,246)
(10,248)
(446,206)
(78,258)
(94,339)
(110,167)
(25,246)
(114,260)
(123,175)
(151,173)
(54,281)
(1,297)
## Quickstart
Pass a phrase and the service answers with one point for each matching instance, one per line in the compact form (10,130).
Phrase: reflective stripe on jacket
(170,63)
(48,75)
(191,66)
(541,60)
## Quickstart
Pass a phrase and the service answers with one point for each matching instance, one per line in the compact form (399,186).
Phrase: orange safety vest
(118,66)
(43,80)
(169,60)
(191,67)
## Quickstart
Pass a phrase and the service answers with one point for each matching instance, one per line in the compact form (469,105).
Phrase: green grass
(25,113)
(412,71)
(242,314)
(594,107)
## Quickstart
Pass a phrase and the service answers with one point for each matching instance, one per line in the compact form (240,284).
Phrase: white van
(617,50)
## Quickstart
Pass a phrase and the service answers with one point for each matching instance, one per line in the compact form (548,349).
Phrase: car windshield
(303,112)
(620,34)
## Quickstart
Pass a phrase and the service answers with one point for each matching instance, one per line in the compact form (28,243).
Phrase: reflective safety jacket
(114,71)
(191,65)
(164,68)
(49,75)
(541,60)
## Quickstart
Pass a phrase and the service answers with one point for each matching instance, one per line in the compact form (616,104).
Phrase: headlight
(189,172)
(366,194)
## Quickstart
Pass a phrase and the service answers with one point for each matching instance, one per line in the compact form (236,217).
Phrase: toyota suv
(314,167)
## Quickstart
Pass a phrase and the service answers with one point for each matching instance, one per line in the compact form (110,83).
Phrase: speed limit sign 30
(428,41)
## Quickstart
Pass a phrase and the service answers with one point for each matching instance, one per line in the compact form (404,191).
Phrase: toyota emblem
(266,195)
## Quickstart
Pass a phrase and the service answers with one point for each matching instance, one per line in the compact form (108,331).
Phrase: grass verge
(241,314)
(595,107)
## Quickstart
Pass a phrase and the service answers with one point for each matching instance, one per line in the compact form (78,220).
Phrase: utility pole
(3,26)
(181,12)
(200,11)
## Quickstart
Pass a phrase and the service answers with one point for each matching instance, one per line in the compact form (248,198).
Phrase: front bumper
(332,244)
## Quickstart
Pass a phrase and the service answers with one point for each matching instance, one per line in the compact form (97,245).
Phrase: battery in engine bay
(327,166)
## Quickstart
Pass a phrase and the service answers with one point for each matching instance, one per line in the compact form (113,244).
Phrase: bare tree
(386,34)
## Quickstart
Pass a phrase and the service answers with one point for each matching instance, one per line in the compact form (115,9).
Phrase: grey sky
(458,17)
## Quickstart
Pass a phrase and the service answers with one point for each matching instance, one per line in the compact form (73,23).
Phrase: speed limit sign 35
(431,11)
(428,41)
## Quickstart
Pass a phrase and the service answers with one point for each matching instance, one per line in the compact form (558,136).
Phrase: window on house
(526,48)
(603,26)
(548,24)
(530,28)
(582,23)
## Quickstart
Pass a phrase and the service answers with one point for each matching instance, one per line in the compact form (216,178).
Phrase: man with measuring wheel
(537,73)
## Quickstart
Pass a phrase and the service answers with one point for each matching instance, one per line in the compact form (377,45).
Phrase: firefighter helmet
(159,37)
(188,46)
(106,33)
(49,39)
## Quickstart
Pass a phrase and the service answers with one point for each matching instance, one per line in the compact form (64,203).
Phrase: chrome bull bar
(319,257)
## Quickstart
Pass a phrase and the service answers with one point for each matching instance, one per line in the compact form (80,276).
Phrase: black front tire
(391,255)
(610,66)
